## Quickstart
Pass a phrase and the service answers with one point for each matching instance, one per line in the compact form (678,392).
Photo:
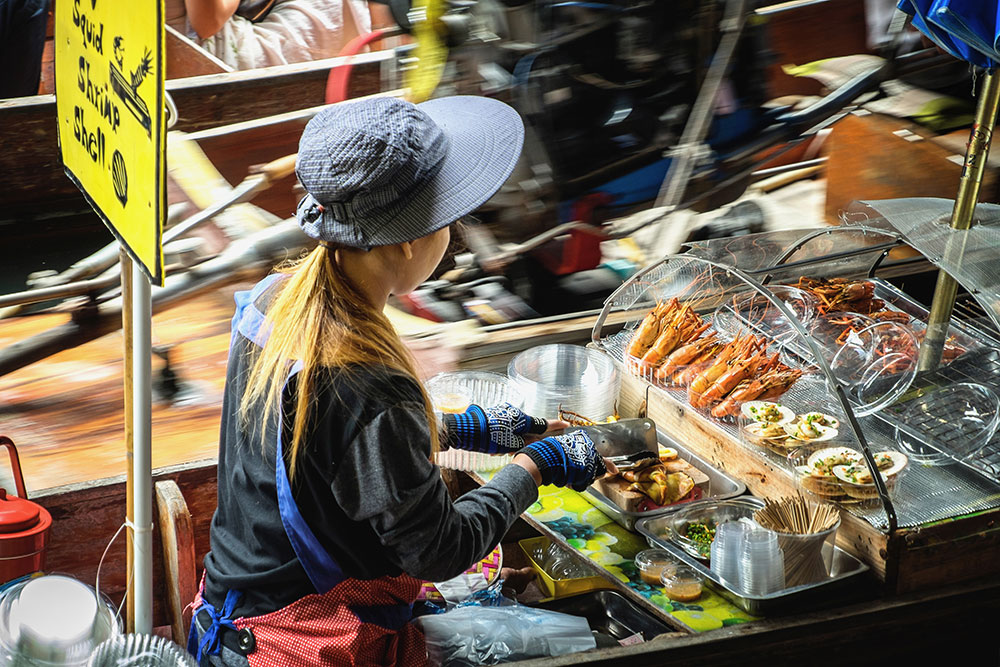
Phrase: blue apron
(320,567)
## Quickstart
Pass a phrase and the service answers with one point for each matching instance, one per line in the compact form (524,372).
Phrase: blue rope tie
(210,643)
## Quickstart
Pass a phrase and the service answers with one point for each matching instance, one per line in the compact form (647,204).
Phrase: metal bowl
(709,511)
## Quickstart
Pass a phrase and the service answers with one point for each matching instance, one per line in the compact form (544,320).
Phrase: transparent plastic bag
(475,635)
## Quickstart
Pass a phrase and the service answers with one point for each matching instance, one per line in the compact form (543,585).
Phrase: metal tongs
(636,461)
(628,444)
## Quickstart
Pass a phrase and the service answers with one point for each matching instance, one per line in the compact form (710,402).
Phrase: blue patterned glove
(569,459)
(496,430)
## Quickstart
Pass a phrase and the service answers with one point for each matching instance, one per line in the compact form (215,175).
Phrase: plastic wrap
(492,635)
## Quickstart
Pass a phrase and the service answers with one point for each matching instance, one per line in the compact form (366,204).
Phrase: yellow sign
(430,52)
(109,60)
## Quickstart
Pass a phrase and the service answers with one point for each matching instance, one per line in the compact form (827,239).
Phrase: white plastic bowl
(455,391)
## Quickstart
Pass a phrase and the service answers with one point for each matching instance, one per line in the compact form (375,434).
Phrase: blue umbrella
(975,22)
(967,29)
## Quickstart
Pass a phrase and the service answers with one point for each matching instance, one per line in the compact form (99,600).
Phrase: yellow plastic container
(558,588)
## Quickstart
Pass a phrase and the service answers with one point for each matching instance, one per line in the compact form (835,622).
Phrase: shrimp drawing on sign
(128,89)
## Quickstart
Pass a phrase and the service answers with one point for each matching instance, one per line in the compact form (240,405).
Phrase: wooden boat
(77,414)
(86,515)
(31,164)
(59,447)
(205,163)
(63,422)
(66,418)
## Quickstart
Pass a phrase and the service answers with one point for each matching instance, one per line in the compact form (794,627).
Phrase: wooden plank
(221,99)
(185,58)
(952,621)
(811,32)
(233,149)
(503,342)
(878,157)
(179,565)
(956,550)
(85,517)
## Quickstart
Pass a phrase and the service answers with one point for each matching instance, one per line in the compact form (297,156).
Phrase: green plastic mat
(586,529)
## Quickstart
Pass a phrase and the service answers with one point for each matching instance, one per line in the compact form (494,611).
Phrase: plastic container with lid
(753,310)
(653,563)
(835,473)
(949,422)
(683,584)
(140,651)
(876,365)
(53,620)
(813,465)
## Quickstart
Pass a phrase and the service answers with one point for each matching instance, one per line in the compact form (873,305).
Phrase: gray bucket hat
(383,171)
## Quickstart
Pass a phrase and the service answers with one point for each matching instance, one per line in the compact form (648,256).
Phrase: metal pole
(142,469)
(126,278)
(976,154)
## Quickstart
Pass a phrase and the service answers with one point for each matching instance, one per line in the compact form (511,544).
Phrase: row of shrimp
(671,346)
(668,326)
(741,371)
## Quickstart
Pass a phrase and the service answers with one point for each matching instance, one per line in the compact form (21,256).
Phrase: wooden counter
(909,559)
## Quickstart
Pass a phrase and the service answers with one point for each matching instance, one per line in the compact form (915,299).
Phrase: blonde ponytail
(319,318)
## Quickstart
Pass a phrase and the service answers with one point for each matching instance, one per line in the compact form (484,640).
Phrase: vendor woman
(327,526)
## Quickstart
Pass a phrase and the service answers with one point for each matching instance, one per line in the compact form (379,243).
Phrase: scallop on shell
(810,432)
(825,459)
(767,412)
(846,473)
(821,419)
(766,431)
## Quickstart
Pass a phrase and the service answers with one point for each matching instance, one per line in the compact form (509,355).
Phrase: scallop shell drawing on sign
(119,177)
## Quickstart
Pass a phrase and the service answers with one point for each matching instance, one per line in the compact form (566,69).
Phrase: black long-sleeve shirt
(364,484)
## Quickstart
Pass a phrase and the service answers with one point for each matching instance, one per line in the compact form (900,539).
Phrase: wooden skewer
(791,517)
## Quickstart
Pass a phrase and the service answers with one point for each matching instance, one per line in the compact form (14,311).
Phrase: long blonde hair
(321,319)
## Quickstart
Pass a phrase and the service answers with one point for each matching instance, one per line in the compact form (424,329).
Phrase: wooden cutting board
(615,488)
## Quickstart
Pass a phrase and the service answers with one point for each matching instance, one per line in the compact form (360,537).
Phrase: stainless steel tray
(844,583)
(610,613)
(720,487)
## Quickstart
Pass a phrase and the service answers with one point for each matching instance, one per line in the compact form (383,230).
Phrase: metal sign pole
(142,469)
(126,275)
(113,146)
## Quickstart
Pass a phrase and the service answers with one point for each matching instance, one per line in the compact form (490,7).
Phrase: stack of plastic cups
(762,564)
(727,550)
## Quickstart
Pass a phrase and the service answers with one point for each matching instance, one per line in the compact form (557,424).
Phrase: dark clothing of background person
(22,38)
